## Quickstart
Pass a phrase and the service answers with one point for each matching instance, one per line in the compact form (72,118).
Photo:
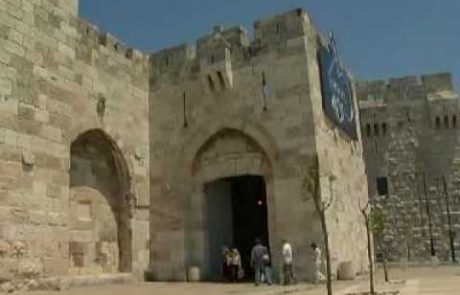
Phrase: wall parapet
(407,88)
(270,34)
(93,33)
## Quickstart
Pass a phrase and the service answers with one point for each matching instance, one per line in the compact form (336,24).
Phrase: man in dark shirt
(260,260)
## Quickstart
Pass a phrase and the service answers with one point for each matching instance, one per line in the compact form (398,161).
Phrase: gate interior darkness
(236,214)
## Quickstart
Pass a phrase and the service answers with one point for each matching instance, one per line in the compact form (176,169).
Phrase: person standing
(288,273)
(226,263)
(318,263)
(260,261)
(235,264)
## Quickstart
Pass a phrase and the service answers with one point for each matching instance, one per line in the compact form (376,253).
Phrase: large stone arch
(100,221)
(228,152)
(257,132)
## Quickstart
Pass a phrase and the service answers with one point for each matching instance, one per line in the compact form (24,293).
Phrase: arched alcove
(100,218)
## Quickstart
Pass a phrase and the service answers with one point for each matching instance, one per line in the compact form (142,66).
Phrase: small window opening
(438,122)
(368,130)
(167,61)
(376,129)
(211,83)
(213,59)
(384,129)
(221,79)
(454,121)
(277,27)
(382,186)
(446,122)
(115,46)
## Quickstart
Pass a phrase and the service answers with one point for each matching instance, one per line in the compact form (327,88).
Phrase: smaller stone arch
(102,204)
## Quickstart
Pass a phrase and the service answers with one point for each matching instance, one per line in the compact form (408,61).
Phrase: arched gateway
(100,237)
(231,204)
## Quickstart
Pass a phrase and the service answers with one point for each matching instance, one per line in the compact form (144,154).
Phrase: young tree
(311,188)
(365,211)
(377,224)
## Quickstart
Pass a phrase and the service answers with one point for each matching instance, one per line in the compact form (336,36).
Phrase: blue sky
(376,38)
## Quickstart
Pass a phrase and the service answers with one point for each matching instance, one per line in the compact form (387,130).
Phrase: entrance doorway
(236,214)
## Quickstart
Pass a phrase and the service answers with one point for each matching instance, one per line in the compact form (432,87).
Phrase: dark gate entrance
(236,214)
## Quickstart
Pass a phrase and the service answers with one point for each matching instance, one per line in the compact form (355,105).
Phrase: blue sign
(337,90)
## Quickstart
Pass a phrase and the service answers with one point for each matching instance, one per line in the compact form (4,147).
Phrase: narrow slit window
(446,122)
(384,129)
(438,122)
(211,83)
(454,121)
(184,100)
(376,129)
(368,130)
(221,79)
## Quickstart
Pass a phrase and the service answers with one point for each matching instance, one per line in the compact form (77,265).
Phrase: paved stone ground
(196,289)
(431,281)
(443,280)
(411,281)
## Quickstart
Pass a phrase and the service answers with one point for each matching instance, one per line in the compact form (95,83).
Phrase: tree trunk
(326,250)
(379,239)
(369,256)
(385,269)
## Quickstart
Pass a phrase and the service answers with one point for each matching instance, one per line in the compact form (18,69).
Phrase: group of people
(233,271)
(288,272)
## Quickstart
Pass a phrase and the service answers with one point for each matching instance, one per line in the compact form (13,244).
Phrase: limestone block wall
(416,151)
(262,91)
(342,178)
(60,77)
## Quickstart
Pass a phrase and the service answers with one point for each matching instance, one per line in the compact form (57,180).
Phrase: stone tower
(410,133)
(207,101)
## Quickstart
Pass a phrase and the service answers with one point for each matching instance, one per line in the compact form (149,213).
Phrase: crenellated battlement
(91,33)
(273,30)
(405,88)
(234,44)
(439,82)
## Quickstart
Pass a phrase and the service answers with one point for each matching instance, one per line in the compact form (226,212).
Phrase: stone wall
(411,137)
(60,77)
(84,122)
(342,177)
(261,90)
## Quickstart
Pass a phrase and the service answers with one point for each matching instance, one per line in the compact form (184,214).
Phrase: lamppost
(428,213)
(449,221)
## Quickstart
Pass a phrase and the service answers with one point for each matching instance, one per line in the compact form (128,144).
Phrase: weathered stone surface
(47,99)
(122,144)
(211,118)
(411,138)
(30,268)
